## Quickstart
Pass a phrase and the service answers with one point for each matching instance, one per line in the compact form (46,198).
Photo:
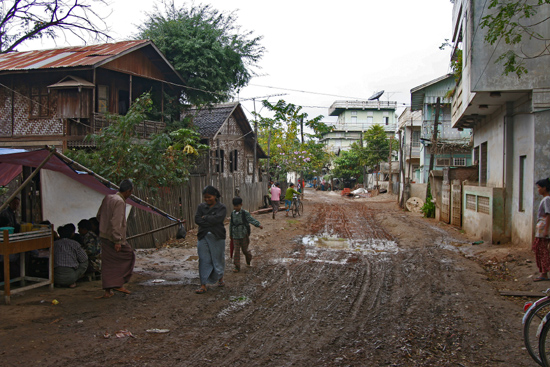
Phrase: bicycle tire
(301,208)
(294,209)
(544,345)
(536,312)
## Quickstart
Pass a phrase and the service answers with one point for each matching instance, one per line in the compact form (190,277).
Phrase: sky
(318,52)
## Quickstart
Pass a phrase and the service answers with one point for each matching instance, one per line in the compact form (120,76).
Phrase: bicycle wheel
(301,208)
(294,209)
(544,344)
(531,321)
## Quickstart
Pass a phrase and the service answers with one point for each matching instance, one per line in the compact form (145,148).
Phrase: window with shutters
(40,106)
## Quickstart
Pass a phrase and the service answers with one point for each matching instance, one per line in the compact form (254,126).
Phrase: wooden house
(58,96)
(225,128)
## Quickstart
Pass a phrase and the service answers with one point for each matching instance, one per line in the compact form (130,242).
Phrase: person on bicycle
(288,197)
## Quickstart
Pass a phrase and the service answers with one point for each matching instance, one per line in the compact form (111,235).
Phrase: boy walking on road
(239,232)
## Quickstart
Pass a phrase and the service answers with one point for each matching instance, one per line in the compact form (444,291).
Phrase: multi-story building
(410,126)
(453,145)
(509,118)
(356,117)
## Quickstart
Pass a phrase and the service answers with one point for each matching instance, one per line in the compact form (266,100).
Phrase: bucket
(10,230)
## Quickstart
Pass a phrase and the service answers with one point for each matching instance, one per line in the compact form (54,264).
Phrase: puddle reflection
(331,242)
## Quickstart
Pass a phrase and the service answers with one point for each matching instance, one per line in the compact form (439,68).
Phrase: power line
(308,92)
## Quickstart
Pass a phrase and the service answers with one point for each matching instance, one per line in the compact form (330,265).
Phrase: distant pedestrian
(239,232)
(288,197)
(541,242)
(210,216)
(275,198)
(117,256)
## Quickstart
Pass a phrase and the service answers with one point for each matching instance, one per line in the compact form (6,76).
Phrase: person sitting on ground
(239,232)
(90,244)
(74,236)
(95,225)
(70,260)
(288,197)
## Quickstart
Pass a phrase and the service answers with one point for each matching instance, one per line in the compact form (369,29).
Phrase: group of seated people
(76,254)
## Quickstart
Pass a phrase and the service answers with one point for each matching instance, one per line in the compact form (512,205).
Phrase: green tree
(514,22)
(282,133)
(377,146)
(207,47)
(24,20)
(120,153)
(348,164)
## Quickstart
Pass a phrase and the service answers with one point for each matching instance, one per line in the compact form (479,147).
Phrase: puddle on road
(167,268)
(366,246)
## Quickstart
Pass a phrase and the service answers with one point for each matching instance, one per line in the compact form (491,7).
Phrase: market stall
(20,243)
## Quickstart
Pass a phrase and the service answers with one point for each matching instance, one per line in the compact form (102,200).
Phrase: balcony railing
(145,129)
(100,121)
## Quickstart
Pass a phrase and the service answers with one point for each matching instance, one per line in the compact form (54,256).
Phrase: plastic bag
(181,232)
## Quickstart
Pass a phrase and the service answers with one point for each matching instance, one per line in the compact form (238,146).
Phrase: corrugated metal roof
(209,120)
(66,56)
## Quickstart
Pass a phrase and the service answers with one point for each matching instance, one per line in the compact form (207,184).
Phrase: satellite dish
(376,96)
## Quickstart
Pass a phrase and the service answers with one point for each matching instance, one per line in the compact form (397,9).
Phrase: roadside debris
(158,331)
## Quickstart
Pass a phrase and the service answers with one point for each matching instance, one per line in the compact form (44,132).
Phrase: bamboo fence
(182,202)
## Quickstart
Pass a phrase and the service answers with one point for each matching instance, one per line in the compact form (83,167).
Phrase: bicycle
(297,206)
(535,311)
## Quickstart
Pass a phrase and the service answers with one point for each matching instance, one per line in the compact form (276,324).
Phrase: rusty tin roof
(67,57)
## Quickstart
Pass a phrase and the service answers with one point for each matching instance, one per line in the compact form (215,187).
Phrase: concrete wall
(522,221)
(492,132)
(419,191)
(478,224)
(485,78)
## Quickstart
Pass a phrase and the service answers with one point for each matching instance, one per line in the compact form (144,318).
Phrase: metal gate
(445,203)
(456,203)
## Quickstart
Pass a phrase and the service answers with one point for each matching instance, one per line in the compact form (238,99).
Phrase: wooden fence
(182,202)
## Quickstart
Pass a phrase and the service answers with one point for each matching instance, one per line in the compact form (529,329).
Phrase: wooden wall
(182,202)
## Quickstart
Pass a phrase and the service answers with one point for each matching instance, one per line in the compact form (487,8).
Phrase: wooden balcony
(100,121)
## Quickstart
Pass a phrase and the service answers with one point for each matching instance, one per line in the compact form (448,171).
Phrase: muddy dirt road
(350,283)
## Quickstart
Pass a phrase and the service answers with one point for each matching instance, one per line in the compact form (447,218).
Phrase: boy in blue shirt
(239,232)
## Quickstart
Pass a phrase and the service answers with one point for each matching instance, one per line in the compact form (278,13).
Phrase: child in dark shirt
(239,232)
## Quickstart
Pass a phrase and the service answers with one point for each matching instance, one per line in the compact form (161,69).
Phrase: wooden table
(19,243)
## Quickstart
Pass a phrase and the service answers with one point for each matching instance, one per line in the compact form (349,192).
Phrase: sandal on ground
(540,279)
(122,290)
(106,295)
(221,283)
(200,291)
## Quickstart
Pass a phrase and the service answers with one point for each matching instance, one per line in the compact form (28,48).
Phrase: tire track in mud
(309,305)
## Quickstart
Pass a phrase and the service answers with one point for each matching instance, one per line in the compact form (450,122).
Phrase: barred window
(483,205)
(470,202)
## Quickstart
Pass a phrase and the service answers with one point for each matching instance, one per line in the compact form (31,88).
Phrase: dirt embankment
(351,283)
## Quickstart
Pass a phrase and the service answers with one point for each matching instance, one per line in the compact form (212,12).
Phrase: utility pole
(434,141)
(401,173)
(390,188)
(434,135)
(255,142)
(256,133)
(364,168)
